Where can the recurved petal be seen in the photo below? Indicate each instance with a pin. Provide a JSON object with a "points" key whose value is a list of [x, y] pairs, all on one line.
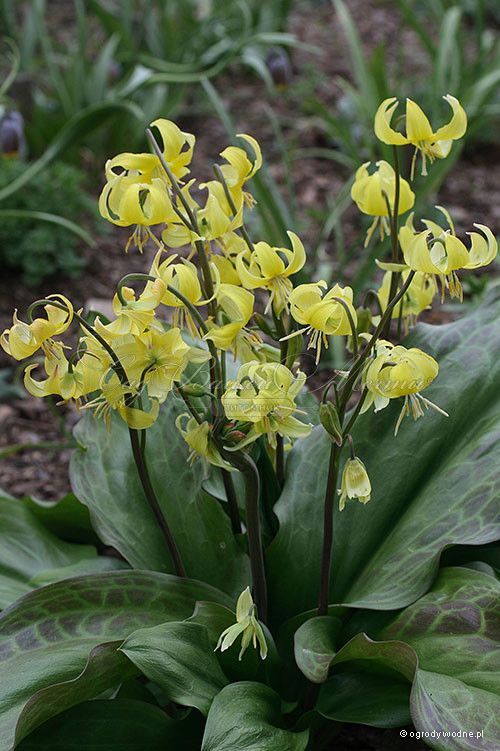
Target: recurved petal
{"points": [[457, 125], [383, 129], [483, 250]]}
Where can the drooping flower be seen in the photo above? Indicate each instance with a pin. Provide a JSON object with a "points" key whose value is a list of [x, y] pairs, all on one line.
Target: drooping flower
{"points": [[133, 314], [236, 305], [197, 437], [396, 371], [263, 395], [177, 148], [372, 193], [24, 339], [247, 625], [439, 251], [418, 296], [355, 483], [271, 268], [431, 144], [322, 314]]}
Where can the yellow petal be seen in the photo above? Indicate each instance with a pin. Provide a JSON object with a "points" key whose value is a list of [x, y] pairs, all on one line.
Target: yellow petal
{"points": [[418, 127], [457, 125], [383, 129]]}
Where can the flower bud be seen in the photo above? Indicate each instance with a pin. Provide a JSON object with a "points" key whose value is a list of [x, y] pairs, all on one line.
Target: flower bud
{"points": [[330, 421], [355, 482]]}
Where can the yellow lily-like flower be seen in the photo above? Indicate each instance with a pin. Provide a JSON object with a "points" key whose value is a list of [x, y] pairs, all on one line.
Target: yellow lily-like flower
{"points": [[135, 314], [418, 296], [439, 252], [247, 625], [70, 381], [264, 395], [157, 359], [184, 278], [128, 164], [237, 305], [431, 144], [24, 339], [197, 437], [239, 169], [117, 397], [267, 269], [355, 483], [213, 223], [127, 201], [177, 146], [321, 314], [226, 270], [370, 191], [395, 372]]}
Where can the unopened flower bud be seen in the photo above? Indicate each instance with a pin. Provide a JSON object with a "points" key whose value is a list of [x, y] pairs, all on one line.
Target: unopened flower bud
{"points": [[330, 421], [355, 482]]}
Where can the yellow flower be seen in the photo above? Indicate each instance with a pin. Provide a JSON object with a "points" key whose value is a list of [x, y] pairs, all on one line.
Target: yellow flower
{"points": [[237, 306], [183, 277], [135, 314], [239, 169], [213, 223], [418, 296], [395, 372], [439, 252], [24, 339], [127, 200], [247, 625], [322, 315], [431, 144], [264, 395], [156, 359], [369, 192], [355, 483], [123, 399], [197, 437], [177, 146], [267, 269]]}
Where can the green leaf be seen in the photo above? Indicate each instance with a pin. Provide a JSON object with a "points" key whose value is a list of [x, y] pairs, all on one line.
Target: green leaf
{"points": [[315, 647], [118, 725], [42, 216], [433, 486], [46, 638], [29, 553], [455, 631], [104, 477], [67, 518], [446, 645], [179, 658], [247, 717]]}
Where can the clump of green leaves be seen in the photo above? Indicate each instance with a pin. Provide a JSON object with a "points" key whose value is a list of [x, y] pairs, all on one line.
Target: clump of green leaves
{"points": [[37, 248]]}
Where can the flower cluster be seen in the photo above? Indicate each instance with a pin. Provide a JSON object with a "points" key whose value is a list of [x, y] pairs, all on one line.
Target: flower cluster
{"points": [[211, 290]]}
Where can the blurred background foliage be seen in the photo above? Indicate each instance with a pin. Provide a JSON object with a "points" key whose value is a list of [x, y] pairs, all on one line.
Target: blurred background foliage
{"points": [[88, 76]]}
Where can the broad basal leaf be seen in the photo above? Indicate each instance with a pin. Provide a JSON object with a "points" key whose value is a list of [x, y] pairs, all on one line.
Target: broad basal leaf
{"points": [[104, 477], [247, 717], [434, 485], [46, 638], [30, 555], [446, 646], [179, 658], [118, 725]]}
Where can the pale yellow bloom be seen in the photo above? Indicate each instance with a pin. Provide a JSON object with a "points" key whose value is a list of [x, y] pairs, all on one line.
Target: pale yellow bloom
{"points": [[24, 339], [396, 371], [247, 625], [355, 483], [320, 313], [370, 191], [264, 395], [271, 268], [418, 296], [197, 437], [431, 144]]}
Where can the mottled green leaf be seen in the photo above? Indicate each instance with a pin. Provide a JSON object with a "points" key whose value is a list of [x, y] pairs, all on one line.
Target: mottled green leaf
{"points": [[46, 638], [118, 725], [446, 646], [104, 477], [315, 647], [179, 658], [435, 485], [30, 554], [247, 717]]}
